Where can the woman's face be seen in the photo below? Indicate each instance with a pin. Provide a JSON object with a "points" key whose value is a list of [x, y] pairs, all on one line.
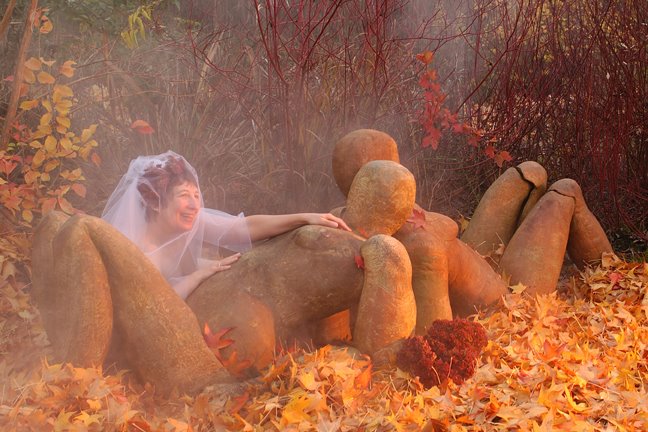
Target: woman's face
{"points": [[181, 209]]}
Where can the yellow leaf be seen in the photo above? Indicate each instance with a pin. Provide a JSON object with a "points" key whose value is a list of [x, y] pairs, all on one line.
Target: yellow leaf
{"points": [[63, 105], [50, 144], [45, 78], [46, 25], [51, 164], [580, 407], [178, 426], [63, 121], [93, 404], [42, 131], [27, 215], [28, 104], [87, 133], [38, 159], [47, 62], [293, 412], [68, 68], [46, 119], [31, 176], [29, 76], [66, 144], [307, 380], [88, 419], [33, 64], [61, 91], [45, 177], [518, 289], [35, 144], [63, 421], [84, 152], [47, 105]]}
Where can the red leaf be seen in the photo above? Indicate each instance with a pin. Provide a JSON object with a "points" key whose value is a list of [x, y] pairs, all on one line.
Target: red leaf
{"points": [[417, 218], [490, 151], [501, 157], [9, 78], [7, 166], [615, 277], [140, 425], [359, 261], [506, 156], [215, 341], [238, 403], [432, 139], [142, 127], [96, 159], [425, 57], [235, 366], [79, 189]]}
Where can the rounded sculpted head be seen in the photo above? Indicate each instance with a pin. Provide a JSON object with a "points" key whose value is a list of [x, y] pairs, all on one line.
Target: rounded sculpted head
{"points": [[170, 193]]}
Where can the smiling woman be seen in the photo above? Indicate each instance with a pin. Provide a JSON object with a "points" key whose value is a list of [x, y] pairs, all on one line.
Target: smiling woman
{"points": [[158, 206]]}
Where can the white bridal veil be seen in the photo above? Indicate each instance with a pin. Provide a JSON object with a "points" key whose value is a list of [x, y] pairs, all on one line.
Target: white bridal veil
{"points": [[213, 231]]}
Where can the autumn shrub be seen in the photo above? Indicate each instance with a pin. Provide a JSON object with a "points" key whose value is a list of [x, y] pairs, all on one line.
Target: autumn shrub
{"points": [[564, 83], [449, 350], [41, 162]]}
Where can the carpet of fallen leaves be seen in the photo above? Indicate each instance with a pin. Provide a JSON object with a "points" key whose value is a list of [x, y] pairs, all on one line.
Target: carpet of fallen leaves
{"points": [[575, 360]]}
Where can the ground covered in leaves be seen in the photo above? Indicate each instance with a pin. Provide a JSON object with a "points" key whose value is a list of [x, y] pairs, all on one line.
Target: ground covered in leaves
{"points": [[576, 360]]}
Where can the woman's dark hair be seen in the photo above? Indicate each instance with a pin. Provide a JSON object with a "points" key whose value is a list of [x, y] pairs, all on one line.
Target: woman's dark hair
{"points": [[158, 180]]}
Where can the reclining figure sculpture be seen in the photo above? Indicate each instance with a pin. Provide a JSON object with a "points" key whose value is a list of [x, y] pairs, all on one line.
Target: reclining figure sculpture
{"points": [[100, 298]]}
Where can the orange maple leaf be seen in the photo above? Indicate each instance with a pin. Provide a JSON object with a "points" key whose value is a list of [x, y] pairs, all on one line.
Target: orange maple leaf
{"points": [[142, 127], [363, 379]]}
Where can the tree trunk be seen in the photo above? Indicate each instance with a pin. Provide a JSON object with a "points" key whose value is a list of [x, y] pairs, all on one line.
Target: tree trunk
{"points": [[18, 75]]}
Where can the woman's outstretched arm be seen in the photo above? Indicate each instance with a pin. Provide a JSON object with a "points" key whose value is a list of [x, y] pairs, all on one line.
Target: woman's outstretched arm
{"points": [[262, 227]]}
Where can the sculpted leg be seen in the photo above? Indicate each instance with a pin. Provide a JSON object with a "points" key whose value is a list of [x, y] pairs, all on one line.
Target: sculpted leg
{"points": [[387, 309], [504, 205], [72, 291], [110, 286], [44, 292], [560, 221], [587, 240], [535, 254], [427, 247], [473, 284]]}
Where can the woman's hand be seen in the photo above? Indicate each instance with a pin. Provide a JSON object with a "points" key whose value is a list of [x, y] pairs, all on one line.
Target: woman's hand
{"points": [[206, 268], [212, 267], [326, 219], [262, 227]]}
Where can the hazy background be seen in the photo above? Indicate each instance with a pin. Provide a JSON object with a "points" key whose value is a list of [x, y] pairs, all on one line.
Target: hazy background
{"points": [[255, 93]]}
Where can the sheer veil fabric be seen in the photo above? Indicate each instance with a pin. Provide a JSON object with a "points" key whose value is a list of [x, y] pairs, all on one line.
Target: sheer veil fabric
{"points": [[212, 234]]}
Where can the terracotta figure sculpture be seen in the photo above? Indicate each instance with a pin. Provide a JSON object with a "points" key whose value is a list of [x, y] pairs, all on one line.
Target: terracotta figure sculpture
{"points": [[97, 292]]}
